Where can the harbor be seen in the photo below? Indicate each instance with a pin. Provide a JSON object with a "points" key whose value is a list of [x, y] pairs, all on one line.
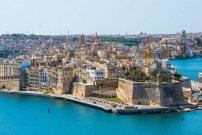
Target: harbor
{"points": [[111, 107]]}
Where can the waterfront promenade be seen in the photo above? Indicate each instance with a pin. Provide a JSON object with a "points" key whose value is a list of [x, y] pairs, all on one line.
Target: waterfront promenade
{"points": [[137, 109]]}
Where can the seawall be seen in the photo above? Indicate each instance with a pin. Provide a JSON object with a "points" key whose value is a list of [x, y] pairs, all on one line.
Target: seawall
{"points": [[139, 109]]}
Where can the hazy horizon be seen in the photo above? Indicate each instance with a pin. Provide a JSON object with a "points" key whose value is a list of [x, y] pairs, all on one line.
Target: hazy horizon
{"points": [[50, 17]]}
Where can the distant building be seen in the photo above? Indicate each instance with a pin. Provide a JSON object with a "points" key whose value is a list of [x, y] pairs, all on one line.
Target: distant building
{"points": [[9, 75], [9, 70], [184, 36], [165, 65]]}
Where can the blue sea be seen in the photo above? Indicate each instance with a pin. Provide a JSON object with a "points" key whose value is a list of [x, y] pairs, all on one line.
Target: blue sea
{"points": [[27, 115], [188, 67]]}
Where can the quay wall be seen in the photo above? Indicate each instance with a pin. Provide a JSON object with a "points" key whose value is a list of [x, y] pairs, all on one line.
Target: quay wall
{"points": [[103, 107]]}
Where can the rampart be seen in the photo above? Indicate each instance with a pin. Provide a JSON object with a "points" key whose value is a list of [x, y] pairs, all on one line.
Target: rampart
{"points": [[163, 94]]}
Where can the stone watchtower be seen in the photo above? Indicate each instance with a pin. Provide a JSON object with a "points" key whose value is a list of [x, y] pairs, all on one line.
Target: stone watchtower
{"points": [[159, 81]]}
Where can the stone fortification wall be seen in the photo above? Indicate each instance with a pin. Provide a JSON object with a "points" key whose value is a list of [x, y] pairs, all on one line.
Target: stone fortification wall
{"points": [[186, 82], [10, 84], [145, 93], [125, 90], [107, 82], [138, 92], [83, 90], [106, 88], [150, 93], [172, 94]]}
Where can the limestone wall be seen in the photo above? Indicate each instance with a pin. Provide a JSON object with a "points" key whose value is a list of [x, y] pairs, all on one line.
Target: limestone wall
{"points": [[150, 93], [83, 90], [107, 82], [144, 93], [186, 82], [172, 94], [10, 84], [138, 92], [187, 92], [125, 91], [106, 88]]}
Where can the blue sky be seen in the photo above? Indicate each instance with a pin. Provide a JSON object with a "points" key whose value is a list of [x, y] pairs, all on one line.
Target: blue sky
{"points": [[55, 17]]}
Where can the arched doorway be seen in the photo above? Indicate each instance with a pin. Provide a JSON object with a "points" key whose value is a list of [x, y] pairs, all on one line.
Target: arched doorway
{"points": [[3, 87]]}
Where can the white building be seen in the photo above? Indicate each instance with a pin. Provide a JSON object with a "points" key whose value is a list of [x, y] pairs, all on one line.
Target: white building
{"points": [[166, 65], [44, 78], [95, 74]]}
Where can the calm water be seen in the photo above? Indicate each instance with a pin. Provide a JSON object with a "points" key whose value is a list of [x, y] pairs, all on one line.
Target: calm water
{"points": [[26, 115], [189, 67]]}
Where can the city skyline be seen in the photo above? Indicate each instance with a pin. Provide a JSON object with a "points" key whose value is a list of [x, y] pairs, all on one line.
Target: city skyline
{"points": [[104, 17]]}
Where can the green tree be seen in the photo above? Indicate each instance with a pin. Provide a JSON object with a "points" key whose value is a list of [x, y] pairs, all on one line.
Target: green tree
{"points": [[140, 76], [126, 73], [177, 75], [164, 74], [84, 81]]}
